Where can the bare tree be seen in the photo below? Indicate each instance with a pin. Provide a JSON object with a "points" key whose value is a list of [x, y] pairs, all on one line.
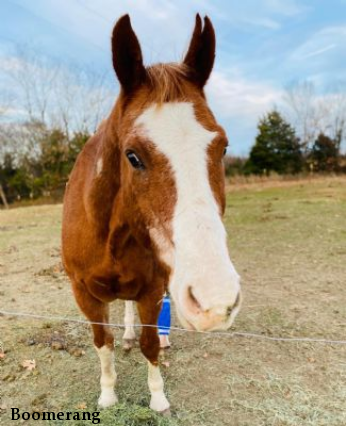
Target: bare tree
{"points": [[82, 98], [312, 113], [51, 96], [33, 77], [335, 108], [52, 102]]}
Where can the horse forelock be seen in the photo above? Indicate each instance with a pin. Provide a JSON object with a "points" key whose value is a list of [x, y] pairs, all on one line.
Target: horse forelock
{"points": [[168, 82]]}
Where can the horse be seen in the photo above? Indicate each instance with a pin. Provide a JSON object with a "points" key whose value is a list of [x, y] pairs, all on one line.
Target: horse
{"points": [[144, 203]]}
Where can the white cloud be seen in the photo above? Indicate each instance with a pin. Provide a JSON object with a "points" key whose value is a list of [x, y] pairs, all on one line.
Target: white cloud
{"points": [[262, 22], [251, 13], [10, 64], [235, 96], [284, 7], [238, 103], [320, 51], [329, 38], [320, 58], [11, 113]]}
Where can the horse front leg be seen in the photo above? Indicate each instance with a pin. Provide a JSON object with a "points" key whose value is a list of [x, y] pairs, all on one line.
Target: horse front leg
{"points": [[149, 309], [108, 376], [97, 311]]}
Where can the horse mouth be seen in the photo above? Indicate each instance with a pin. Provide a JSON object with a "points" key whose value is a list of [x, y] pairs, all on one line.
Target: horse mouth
{"points": [[184, 322], [219, 325]]}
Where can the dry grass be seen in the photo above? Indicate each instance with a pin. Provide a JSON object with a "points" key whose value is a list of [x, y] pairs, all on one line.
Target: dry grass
{"points": [[289, 244]]}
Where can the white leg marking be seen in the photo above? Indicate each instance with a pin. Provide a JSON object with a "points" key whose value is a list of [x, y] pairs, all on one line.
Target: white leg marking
{"points": [[129, 320], [108, 377], [158, 400]]}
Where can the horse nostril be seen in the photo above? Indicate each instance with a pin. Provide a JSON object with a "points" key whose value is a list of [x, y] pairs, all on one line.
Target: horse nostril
{"points": [[230, 309], [194, 304]]}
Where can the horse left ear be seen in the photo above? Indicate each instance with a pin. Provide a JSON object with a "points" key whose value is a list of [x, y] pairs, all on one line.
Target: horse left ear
{"points": [[201, 53], [127, 55]]}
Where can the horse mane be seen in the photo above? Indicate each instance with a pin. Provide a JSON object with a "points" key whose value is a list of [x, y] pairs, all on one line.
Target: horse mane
{"points": [[169, 82]]}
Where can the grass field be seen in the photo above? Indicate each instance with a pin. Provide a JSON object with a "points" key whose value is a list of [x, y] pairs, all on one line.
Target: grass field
{"points": [[287, 241]]}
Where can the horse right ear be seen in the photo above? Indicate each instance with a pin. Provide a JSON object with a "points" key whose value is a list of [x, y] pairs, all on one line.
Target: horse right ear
{"points": [[127, 55], [201, 53]]}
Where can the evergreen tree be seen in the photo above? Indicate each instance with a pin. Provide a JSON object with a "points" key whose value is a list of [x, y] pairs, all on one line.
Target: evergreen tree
{"points": [[276, 147], [325, 154]]}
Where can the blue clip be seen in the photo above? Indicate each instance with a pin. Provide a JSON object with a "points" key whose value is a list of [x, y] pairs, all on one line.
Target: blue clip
{"points": [[164, 322]]}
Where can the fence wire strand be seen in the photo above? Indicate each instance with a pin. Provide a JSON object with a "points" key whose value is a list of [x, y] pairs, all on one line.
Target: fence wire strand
{"points": [[247, 335]]}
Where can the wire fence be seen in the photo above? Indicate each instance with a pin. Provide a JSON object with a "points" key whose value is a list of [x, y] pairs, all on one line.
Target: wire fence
{"points": [[241, 334]]}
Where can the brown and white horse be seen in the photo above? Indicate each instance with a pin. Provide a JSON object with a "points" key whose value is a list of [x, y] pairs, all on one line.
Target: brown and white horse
{"points": [[143, 206]]}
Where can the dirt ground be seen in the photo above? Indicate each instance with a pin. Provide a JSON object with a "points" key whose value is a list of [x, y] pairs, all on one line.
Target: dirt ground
{"points": [[288, 242]]}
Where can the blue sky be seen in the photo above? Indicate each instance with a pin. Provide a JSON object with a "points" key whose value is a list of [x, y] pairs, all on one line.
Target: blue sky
{"points": [[262, 45]]}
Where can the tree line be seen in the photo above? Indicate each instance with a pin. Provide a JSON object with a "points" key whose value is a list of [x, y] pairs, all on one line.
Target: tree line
{"points": [[46, 172], [45, 119], [278, 149], [305, 136]]}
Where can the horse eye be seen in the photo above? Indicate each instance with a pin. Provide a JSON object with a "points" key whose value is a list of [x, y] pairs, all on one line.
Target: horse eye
{"points": [[134, 160], [225, 151]]}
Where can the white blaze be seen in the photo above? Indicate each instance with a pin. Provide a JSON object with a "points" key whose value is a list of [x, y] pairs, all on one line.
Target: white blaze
{"points": [[201, 257]]}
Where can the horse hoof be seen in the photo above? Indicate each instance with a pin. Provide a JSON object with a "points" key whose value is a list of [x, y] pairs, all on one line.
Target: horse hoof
{"points": [[107, 400], [128, 344], [166, 412], [164, 342]]}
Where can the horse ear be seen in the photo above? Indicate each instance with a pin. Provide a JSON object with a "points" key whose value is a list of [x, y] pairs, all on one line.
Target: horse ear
{"points": [[201, 53], [127, 55]]}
